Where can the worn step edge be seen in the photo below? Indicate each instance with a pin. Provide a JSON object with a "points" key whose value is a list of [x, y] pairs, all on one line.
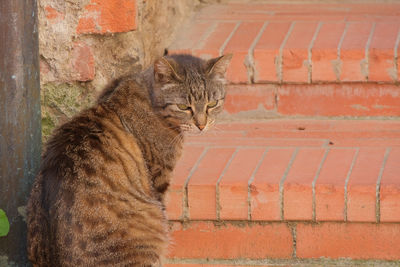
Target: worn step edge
{"points": [[277, 262]]}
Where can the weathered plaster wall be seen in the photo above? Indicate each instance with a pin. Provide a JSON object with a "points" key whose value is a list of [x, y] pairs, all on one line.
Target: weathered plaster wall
{"points": [[86, 43]]}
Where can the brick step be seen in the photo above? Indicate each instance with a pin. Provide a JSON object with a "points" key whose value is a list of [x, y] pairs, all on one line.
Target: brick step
{"points": [[204, 240], [280, 262], [324, 170], [326, 100], [312, 188], [308, 59], [298, 42], [207, 265], [273, 262]]}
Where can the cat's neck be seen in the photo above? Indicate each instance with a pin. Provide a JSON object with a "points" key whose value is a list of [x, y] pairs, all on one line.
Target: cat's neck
{"points": [[132, 101]]}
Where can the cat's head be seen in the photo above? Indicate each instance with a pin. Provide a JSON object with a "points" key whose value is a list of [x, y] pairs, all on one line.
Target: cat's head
{"points": [[188, 91]]}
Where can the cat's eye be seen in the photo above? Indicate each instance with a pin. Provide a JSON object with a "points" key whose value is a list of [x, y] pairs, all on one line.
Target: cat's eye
{"points": [[183, 106], [212, 104]]}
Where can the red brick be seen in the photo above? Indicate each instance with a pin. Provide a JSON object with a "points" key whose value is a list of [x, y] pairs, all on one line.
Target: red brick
{"points": [[180, 51], [257, 142], [238, 12], [366, 125], [344, 131], [266, 52], [360, 137], [374, 8], [227, 265], [324, 52], [219, 265], [174, 205], [233, 186], [215, 131], [297, 192], [249, 97], [82, 62], [183, 265], [330, 184], [353, 64], [290, 125], [239, 45], [201, 240], [108, 16], [265, 200], [53, 14], [190, 156], [398, 60], [203, 183], [339, 100], [295, 65], [278, 17], [348, 240], [190, 37], [312, 9], [369, 142], [311, 18], [352, 52], [44, 66], [210, 265], [381, 59], [361, 188], [281, 12], [212, 45], [390, 188], [371, 18]]}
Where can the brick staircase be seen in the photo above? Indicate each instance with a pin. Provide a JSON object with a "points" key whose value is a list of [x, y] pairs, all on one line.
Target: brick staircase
{"points": [[304, 168]]}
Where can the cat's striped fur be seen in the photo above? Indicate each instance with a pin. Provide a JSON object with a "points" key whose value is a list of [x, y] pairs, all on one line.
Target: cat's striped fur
{"points": [[99, 197]]}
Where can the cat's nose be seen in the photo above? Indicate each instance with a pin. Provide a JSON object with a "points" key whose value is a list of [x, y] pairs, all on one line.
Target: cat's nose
{"points": [[200, 120]]}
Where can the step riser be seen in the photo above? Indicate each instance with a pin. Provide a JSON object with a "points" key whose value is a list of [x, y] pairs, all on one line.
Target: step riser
{"points": [[325, 100], [296, 240]]}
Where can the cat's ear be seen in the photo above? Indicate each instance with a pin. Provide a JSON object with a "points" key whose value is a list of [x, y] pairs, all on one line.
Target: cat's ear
{"points": [[165, 70], [216, 67]]}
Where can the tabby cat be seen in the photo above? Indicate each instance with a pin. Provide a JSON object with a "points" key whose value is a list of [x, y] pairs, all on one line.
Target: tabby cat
{"points": [[98, 199]]}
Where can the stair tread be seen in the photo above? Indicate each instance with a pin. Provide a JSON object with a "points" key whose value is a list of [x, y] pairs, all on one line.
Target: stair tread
{"points": [[290, 170], [298, 42]]}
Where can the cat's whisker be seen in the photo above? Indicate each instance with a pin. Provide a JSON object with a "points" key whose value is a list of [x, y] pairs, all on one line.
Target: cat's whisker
{"points": [[215, 129]]}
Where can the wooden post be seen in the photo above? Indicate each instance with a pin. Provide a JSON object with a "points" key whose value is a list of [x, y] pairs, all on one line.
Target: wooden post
{"points": [[20, 128]]}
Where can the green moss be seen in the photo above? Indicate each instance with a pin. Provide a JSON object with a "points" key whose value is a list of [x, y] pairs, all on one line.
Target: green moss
{"points": [[47, 125], [67, 99], [61, 101]]}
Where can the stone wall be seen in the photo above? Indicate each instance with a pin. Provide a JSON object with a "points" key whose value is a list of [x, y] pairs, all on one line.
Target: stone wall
{"points": [[84, 44]]}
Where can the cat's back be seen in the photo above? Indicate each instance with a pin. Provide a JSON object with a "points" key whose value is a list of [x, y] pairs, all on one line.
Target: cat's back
{"points": [[93, 140], [92, 183]]}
